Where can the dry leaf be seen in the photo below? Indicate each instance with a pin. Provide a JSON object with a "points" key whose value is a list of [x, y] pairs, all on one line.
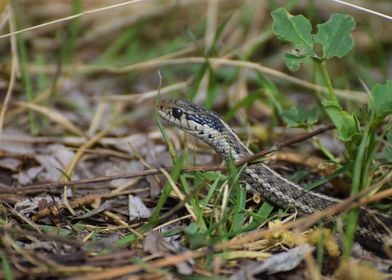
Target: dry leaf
{"points": [[156, 244], [137, 209]]}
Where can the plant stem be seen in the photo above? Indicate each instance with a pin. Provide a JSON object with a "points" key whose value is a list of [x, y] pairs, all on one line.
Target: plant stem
{"points": [[324, 71]]}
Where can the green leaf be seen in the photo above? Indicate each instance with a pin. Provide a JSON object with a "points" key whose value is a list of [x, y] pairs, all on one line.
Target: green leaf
{"points": [[293, 61], [334, 35], [191, 229], [300, 117], [294, 29], [347, 125], [381, 101]]}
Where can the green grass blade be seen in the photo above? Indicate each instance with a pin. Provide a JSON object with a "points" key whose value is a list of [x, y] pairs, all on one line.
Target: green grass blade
{"points": [[73, 30], [327, 178], [244, 103], [320, 247], [7, 271], [166, 190], [24, 65], [194, 202], [239, 214], [212, 190], [114, 49], [199, 77]]}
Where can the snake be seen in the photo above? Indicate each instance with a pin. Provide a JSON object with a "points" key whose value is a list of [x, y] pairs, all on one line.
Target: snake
{"points": [[373, 227]]}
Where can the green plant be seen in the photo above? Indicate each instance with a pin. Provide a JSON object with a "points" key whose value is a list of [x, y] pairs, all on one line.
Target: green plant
{"points": [[361, 141]]}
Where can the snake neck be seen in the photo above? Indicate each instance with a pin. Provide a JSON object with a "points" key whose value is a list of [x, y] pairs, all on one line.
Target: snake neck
{"points": [[225, 143]]}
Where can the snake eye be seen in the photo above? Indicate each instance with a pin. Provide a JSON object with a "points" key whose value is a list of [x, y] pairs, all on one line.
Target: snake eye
{"points": [[177, 113]]}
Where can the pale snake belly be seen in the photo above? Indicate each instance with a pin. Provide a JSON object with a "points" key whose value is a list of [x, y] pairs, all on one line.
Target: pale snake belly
{"points": [[373, 226]]}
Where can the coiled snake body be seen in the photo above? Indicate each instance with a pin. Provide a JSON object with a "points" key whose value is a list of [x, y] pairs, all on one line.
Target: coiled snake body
{"points": [[372, 228]]}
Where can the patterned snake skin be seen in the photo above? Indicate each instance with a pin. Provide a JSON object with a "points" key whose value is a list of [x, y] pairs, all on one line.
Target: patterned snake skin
{"points": [[372, 228]]}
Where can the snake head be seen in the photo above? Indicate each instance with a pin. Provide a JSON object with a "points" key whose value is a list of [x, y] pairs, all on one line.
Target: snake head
{"points": [[190, 117], [203, 124]]}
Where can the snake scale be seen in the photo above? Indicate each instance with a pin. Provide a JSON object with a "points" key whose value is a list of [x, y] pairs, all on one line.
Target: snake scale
{"points": [[373, 227]]}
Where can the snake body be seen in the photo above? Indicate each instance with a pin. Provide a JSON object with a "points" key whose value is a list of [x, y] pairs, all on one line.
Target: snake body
{"points": [[373, 227]]}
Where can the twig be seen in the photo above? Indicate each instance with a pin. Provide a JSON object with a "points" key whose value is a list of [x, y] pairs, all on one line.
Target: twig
{"points": [[286, 143]]}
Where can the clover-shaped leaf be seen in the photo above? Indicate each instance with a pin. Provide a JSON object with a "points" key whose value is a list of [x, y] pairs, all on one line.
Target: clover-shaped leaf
{"points": [[381, 101], [300, 117], [296, 30], [335, 35]]}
